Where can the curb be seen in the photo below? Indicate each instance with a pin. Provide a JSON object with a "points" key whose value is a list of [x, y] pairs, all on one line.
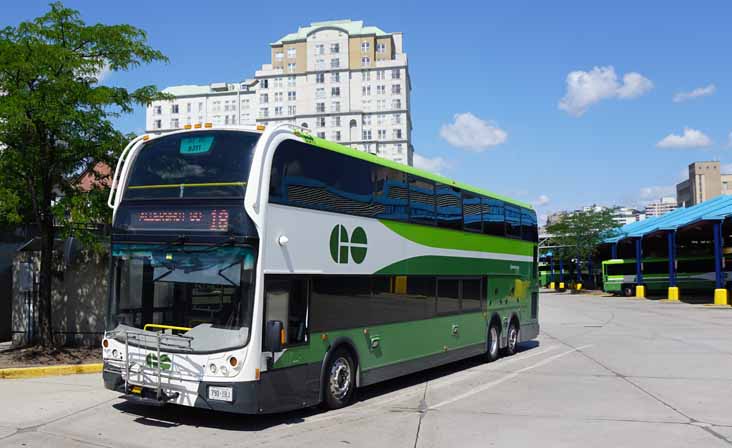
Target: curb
{"points": [[36, 372]]}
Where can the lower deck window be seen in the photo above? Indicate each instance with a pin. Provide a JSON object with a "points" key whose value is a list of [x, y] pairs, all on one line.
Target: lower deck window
{"points": [[351, 301]]}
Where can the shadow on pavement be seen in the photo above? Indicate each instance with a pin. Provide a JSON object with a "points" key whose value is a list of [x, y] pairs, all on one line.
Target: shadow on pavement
{"points": [[172, 416]]}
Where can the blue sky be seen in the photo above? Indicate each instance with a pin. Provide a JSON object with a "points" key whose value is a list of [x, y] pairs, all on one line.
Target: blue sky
{"points": [[620, 139]]}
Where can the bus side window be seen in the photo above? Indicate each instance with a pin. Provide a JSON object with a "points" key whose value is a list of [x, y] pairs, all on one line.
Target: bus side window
{"points": [[286, 301]]}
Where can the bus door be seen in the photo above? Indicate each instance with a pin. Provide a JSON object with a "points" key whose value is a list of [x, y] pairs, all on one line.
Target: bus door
{"points": [[292, 376]]}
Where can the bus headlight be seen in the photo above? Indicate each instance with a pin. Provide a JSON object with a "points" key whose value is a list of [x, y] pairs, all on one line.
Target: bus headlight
{"points": [[212, 368]]}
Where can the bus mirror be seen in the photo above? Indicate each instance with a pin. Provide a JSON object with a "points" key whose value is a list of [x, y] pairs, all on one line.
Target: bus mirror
{"points": [[273, 335]]}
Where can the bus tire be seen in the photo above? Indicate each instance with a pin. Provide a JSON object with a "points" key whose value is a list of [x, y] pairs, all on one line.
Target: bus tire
{"points": [[340, 380], [512, 338], [628, 291], [493, 342]]}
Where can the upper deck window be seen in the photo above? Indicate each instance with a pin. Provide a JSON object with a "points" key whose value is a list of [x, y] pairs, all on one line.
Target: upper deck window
{"points": [[192, 165]]}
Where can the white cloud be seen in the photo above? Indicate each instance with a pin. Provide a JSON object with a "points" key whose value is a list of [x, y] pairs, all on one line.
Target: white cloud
{"points": [[542, 200], [435, 165], [471, 133], [634, 85], [696, 93], [691, 138], [587, 88]]}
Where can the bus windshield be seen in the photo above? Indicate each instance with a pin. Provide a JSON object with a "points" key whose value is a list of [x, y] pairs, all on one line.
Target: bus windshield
{"points": [[207, 289], [192, 165]]}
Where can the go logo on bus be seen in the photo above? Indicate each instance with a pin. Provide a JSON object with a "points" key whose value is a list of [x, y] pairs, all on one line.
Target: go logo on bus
{"points": [[341, 244], [152, 361]]}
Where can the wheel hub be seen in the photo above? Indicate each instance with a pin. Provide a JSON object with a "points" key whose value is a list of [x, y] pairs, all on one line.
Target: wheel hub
{"points": [[340, 378]]}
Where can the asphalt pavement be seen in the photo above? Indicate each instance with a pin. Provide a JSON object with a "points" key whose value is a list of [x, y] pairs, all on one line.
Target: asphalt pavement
{"points": [[605, 372]]}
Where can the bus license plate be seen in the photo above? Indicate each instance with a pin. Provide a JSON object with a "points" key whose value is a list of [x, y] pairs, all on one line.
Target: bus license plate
{"points": [[220, 393]]}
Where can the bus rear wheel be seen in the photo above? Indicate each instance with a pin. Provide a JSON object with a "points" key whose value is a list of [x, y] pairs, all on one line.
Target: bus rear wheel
{"points": [[628, 291], [494, 336], [512, 338], [340, 380]]}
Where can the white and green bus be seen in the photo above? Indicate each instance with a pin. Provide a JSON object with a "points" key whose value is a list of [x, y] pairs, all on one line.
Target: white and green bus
{"points": [[257, 271]]}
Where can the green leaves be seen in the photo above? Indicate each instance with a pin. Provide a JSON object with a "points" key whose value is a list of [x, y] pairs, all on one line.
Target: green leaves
{"points": [[55, 116], [578, 234]]}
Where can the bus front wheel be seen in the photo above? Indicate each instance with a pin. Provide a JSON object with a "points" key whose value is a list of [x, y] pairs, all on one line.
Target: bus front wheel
{"points": [[340, 380]]}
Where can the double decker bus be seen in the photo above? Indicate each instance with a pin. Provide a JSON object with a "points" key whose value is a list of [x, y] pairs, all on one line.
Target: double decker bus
{"points": [[258, 271], [693, 273]]}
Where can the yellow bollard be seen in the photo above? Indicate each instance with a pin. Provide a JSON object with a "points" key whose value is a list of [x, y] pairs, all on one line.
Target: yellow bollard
{"points": [[578, 287], [561, 285], [551, 285], [673, 293], [720, 297], [640, 292]]}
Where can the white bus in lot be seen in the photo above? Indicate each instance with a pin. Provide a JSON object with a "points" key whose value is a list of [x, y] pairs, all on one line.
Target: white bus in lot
{"points": [[259, 271]]}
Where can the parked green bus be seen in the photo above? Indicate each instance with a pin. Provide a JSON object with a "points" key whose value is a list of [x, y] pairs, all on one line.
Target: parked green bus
{"points": [[259, 271], [692, 273]]}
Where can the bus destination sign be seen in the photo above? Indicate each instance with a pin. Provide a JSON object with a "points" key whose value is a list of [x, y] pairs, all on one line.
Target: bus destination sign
{"points": [[213, 220]]}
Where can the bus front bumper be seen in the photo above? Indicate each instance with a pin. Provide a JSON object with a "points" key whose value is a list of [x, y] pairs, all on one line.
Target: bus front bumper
{"points": [[244, 398], [274, 392]]}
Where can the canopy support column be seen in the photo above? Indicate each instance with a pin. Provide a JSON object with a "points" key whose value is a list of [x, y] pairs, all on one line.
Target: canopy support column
{"points": [[720, 293], [640, 290], [551, 270], [561, 273], [673, 290], [671, 238]]}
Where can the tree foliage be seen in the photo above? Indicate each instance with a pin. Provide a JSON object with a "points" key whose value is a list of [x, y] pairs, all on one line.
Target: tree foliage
{"points": [[55, 122], [577, 234]]}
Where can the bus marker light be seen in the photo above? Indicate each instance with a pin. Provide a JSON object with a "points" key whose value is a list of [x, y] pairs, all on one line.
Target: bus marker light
{"points": [[365, 331], [146, 138], [105, 343], [188, 126], [283, 339], [257, 374], [136, 390], [208, 125], [260, 127], [324, 337], [197, 125], [233, 361]]}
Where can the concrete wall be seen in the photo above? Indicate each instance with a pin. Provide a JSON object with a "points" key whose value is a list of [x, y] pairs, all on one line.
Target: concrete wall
{"points": [[79, 299]]}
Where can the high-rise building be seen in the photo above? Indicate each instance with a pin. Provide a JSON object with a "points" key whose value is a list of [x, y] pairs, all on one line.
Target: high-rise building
{"points": [[705, 182], [661, 207], [344, 81]]}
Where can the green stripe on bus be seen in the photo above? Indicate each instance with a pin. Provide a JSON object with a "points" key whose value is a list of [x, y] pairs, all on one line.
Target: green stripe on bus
{"points": [[438, 265], [450, 239]]}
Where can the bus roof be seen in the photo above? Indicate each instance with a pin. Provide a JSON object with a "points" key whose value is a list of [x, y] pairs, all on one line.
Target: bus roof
{"points": [[327, 144]]}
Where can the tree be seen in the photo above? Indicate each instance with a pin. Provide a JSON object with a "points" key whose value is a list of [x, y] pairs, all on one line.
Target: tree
{"points": [[55, 122], [578, 234]]}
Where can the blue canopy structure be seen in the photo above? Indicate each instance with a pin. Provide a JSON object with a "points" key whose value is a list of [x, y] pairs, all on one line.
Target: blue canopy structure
{"points": [[716, 209]]}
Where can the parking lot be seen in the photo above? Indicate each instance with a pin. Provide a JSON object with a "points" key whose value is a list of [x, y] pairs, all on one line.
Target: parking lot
{"points": [[605, 372]]}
